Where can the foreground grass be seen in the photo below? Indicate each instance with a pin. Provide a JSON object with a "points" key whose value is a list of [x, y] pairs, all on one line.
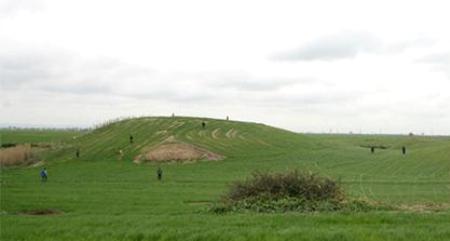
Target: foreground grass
{"points": [[362, 226], [121, 201], [103, 198]]}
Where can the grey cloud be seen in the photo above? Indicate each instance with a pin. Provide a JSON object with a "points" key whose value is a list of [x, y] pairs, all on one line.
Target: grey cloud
{"points": [[23, 69], [11, 7], [438, 61], [347, 45], [81, 89], [405, 45], [439, 58], [330, 98], [339, 46], [48, 72], [63, 73], [246, 82], [173, 96]]}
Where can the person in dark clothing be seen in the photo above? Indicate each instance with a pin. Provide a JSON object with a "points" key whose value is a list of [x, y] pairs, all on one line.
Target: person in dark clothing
{"points": [[77, 153], [131, 139], [372, 149], [403, 150], [159, 173], [203, 125], [44, 175]]}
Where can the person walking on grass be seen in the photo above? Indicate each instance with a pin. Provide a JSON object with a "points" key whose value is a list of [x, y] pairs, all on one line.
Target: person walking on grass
{"points": [[159, 173], [44, 175]]}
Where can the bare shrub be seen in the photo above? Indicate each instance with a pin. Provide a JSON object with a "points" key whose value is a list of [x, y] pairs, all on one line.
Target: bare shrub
{"points": [[296, 184], [292, 191], [17, 155]]}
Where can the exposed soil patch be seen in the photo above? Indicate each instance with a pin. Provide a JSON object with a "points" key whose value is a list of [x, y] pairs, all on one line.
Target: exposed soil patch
{"points": [[42, 212], [172, 150]]}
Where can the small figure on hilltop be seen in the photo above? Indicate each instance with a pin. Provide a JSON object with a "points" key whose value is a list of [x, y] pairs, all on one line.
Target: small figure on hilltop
{"points": [[403, 150], [44, 175], [131, 139], [228, 118], [159, 173], [77, 153], [173, 115], [203, 125], [372, 149]]}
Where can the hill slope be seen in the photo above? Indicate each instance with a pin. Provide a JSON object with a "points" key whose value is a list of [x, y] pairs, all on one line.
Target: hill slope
{"points": [[227, 138]]}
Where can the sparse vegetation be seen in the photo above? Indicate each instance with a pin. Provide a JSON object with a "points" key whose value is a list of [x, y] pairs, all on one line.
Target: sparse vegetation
{"points": [[18, 155]]}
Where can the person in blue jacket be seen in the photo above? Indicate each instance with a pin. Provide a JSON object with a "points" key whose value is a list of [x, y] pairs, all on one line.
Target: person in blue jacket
{"points": [[44, 175]]}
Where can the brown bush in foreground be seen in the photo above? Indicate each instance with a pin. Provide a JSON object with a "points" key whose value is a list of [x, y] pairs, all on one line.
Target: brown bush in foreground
{"points": [[17, 155]]}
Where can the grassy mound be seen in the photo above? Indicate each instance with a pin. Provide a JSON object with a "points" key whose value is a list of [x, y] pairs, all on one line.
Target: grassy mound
{"points": [[292, 191], [222, 137]]}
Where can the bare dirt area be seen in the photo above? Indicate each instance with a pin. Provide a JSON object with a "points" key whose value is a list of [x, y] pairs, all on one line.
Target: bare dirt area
{"points": [[172, 150]]}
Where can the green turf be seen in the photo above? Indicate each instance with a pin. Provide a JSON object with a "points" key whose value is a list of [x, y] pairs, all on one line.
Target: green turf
{"points": [[104, 198], [30, 136]]}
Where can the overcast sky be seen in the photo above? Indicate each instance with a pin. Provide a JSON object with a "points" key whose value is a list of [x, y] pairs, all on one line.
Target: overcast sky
{"points": [[308, 66]]}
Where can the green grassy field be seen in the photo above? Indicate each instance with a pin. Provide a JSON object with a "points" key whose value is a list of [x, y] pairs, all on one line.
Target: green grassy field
{"points": [[31, 136], [104, 197]]}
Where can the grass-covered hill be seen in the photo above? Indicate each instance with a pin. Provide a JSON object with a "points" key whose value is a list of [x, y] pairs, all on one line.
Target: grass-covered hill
{"points": [[259, 146], [227, 138]]}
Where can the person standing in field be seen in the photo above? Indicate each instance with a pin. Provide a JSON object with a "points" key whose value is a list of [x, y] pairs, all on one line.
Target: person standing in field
{"points": [[131, 139], [77, 154], [372, 149], [120, 154], [203, 125], [159, 173], [403, 150], [44, 175]]}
